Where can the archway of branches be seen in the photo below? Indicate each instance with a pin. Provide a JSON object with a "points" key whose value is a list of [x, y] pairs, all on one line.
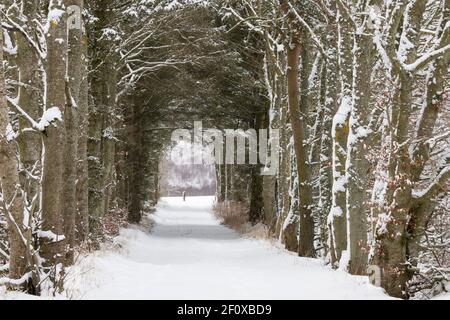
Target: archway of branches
{"points": [[208, 77]]}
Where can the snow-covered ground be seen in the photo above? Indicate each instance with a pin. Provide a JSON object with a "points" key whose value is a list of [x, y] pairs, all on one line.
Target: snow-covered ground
{"points": [[189, 255]]}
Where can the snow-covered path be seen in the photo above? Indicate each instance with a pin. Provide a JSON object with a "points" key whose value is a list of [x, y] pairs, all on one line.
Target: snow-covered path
{"points": [[189, 255]]}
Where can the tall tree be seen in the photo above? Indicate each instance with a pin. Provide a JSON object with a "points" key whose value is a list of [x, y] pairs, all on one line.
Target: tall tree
{"points": [[71, 122], [52, 232], [298, 119], [30, 98], [11, 197]]}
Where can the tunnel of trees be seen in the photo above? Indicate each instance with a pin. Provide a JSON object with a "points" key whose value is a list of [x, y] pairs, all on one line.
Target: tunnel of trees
{"points": [[358, 89]]}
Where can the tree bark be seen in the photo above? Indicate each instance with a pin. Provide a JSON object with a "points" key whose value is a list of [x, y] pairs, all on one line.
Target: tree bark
{"points": [[390, 234], [30, 99], [422, 210], [51, 240], [333, 136], [256, 185], [306, 242], [13, 202], [101, 143], [358, 166], [71, 121], [82, 187]]}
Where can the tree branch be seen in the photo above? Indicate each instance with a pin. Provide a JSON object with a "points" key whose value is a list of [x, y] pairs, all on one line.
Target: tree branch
{"points": [[425, 59], [311, 32], [434, 188]]}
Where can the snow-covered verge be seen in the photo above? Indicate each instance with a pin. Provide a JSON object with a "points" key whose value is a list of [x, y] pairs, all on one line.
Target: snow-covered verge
{"points": [[189, 255]]}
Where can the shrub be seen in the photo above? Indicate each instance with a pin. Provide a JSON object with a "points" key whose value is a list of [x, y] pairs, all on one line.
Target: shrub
{"points": [[232, 214]]}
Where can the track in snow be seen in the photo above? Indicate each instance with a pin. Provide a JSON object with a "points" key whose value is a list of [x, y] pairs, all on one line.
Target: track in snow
{"points": [[189, 255]]}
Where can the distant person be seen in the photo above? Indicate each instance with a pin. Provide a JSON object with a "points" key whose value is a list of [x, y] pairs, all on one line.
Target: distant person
{"points": [[184, 195]]}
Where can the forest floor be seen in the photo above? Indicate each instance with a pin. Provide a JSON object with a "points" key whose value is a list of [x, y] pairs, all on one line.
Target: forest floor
{"points": [[187, 254]]}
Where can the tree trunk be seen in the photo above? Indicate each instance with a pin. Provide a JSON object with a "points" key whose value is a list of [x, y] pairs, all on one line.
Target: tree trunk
{"points": [[284, 174], [306, 242], [71, 120], [256, 185], [30, 99], [19, 234], [327, 153], [101, 143], [358, 166], [390, 234], [132, 164], [221, 181], [290, 234], [82, 192], [52, 181]]}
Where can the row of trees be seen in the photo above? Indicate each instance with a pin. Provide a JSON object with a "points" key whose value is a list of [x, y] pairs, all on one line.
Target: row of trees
{"points": [[46, 74], [68, 140], [91, 93], [360, 90]]}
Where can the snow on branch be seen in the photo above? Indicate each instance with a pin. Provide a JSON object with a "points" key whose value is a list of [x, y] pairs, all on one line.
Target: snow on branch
{"points": [[49, 117], [22, 112], [391, 60], [382, 51], [8, 44], [345, 11], [245, 21], [10, 133], [50, 235], [436, 185], [4, 254], [431, 142], [421, 62], [311, 32], [11, 220], [35, 46], [425, 59], [53, 18], [15, 282], [138, 46], [324, 7]]}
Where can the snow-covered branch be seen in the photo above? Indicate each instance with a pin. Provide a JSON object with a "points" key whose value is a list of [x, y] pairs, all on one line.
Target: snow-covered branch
{"points": [[49, 117], [22, 112], [244, 21], [425, 59], [34, 44], [15, 282], [311, 32], [435, 186]]}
